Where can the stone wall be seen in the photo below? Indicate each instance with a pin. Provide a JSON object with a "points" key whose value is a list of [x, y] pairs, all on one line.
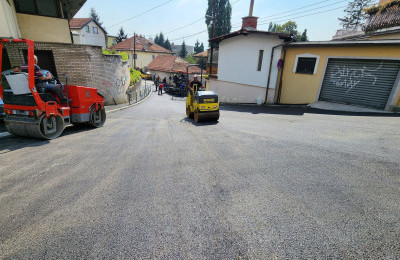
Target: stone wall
{"points": [[85, 66]]}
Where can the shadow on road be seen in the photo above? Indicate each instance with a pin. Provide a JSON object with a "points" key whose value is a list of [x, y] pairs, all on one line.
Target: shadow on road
{"points": [[12, 143], [310, 110], [297, 110], [254, 109], [191, 121]]}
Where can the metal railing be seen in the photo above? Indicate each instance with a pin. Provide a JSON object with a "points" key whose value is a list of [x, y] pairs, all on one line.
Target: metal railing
{"points": [[138, 94]]}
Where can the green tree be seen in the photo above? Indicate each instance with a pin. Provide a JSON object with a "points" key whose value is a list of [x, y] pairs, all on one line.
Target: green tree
{"points": [[223, 14], [197, 47], [95, 16], [183, 53], [121, 35], [203, 62], [161, 39], [304, 36], [167, 45], [355, 14], [290, 27], [201, 49], [157, 39], [190, 58]]}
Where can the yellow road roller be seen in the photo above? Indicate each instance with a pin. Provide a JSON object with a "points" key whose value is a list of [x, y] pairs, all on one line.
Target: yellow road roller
{"points": [[201, 103]]}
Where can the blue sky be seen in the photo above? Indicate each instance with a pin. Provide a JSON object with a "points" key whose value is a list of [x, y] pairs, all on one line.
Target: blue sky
{"points": [[175, 14]]}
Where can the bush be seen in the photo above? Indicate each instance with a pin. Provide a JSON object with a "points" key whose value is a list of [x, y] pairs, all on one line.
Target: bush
{"points": [[135, 76], [123, 54]]}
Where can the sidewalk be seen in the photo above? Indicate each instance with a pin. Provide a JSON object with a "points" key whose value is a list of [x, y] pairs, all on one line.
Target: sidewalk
{"points": [[113, 108]]}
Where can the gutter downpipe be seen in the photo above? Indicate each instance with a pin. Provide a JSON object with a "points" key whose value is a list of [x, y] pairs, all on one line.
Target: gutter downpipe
{"points": [[278, 98], [270, 69]]}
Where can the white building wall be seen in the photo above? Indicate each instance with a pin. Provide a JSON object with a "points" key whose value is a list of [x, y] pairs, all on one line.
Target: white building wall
{"points": [[238, 59], [89, 38], [8, 20]]}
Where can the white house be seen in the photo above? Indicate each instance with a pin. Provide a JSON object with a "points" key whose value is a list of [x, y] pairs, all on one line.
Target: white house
{"points": [[245, 70], [87, 31]]}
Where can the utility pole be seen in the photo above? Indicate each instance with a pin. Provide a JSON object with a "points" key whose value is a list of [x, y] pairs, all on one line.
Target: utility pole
{"points": [[134, 51], [212, 35]]}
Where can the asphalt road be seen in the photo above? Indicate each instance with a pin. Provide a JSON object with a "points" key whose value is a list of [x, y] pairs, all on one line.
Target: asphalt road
{"points": [[261, 183]]}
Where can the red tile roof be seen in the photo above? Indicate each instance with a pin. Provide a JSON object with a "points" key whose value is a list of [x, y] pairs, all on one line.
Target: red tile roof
{"points": [[78, 23], [170, 64], [201, 54], [128, 44]]}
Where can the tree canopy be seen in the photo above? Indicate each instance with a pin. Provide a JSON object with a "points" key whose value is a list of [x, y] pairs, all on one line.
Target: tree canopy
{"points": [[355, 14], [183, 52], [289, 27], [159, 39], [95, 16], [223, 14], [121, 35], [198, 47]]}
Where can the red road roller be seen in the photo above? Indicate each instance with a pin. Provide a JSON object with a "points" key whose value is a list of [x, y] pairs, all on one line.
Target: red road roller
{"points": [[33, 112]]}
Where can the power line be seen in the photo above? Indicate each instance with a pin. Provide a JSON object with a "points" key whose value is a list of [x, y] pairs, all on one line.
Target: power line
{"points": [[136, 16], [198, 20], [292, 18], [266, 22], [310, 9]]}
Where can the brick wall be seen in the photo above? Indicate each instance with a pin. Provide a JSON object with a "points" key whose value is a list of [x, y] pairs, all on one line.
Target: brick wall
{"points": [[85, 66]]}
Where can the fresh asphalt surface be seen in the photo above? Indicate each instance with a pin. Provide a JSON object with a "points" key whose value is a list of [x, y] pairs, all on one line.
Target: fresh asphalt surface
{"points": [[261, 183]]}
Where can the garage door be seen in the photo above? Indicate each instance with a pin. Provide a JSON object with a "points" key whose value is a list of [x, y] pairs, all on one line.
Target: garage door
{"points": [[359, 82]]}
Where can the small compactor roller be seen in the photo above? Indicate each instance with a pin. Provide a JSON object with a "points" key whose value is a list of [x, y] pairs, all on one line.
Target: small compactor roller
{"points": [[202, 105], [30, 113]]}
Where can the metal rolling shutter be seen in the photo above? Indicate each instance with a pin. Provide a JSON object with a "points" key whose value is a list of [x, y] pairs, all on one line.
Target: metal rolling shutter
{"points": [[360, 82]]}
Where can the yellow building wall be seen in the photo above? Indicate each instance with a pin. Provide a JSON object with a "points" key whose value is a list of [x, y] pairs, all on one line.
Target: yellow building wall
{"points": [[44, 29], [303, 89], [110, 40], [144, 58]]}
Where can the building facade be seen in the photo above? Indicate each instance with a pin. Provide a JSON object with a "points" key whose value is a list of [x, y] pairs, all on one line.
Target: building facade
{"points": [[145, 51], [360, 73], [38, 20], [247, 64], [87, 31]]}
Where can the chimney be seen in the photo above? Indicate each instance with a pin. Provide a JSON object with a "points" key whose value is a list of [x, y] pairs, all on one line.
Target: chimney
{"points": [[250, 22]]}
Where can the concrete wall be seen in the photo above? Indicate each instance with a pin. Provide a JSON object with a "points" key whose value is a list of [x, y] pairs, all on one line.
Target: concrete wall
{"points": [[44, 29], [230, 92], [304, 89], [86, 66], [8, 20], [90, 38], [238, 59]]}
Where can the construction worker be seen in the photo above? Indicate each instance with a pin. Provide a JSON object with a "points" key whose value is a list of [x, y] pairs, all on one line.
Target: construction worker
{"points": [[195, 84], [40, 81]]}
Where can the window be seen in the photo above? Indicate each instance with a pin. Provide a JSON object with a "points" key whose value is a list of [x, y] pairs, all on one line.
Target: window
{"points": [[95, 30], [153, 56], [306, 65], [87, 28], [260, 59], [38, 7]]}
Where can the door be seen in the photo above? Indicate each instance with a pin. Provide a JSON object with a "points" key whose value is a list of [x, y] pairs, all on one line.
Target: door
{"points": [[364, 82]]}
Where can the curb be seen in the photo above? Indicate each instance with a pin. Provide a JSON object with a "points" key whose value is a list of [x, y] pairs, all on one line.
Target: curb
{"points": [[128, 106]]}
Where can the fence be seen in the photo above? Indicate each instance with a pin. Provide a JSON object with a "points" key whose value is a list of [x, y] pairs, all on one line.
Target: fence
{"points": [[138, 94]]}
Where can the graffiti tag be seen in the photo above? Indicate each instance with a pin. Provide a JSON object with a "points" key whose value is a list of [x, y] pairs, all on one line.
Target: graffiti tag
{"points": [[348, 78]]}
